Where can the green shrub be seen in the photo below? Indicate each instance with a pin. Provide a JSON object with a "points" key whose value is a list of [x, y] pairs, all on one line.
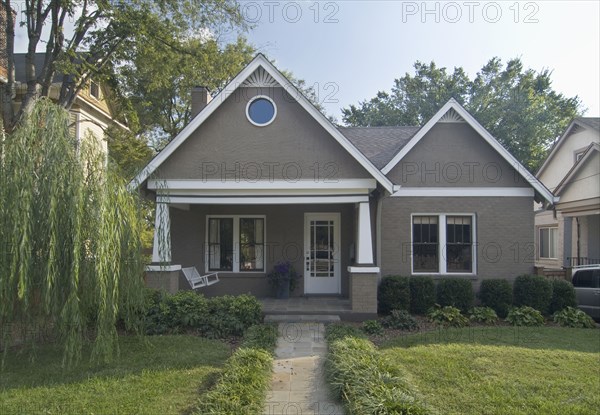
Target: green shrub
{"points": [[574, 317], [340, 331], [525, 316], [187, 309], [534, 291], [243, 385], [455, 292], [563, 295], [260, 336], [401, 320], [393, 294], [216, 317], [447, 316], [156, 318], [422, 294], [372, 327], [496, 294], [483, 315], [366, 382]]}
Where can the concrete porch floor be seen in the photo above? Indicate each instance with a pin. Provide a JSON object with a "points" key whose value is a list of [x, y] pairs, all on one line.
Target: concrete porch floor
{"points": [[306, 305]]}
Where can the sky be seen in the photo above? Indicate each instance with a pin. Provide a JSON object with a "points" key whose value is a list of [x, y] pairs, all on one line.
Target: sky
{"points": [[349, 50]]}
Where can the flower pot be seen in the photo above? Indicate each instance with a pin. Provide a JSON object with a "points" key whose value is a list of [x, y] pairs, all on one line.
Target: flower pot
{"points": [[283, 289]]}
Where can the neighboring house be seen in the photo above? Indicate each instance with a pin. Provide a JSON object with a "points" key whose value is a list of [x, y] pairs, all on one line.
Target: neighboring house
{"points": [[260, 176], [569, 235], [90, 113]]}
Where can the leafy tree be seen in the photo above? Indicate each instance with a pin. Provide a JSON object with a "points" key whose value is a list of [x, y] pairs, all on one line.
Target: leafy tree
{"points": [[517, 106], [102, 29], [159, 78], [70, 262]]}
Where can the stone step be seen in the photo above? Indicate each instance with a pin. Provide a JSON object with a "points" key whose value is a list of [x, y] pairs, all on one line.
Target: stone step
{"points": [[301, 318]]}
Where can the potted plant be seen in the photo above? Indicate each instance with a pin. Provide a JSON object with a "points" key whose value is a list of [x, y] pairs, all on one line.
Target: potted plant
{"points": [[283, 279]]}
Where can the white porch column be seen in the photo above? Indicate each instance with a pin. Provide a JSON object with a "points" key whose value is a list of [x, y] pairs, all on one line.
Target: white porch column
{"points": [[364, 244], [161, 249]]}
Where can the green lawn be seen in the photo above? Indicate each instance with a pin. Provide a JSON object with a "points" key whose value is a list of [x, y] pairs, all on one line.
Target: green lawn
{"points": [[160, 376], [503, 370]]}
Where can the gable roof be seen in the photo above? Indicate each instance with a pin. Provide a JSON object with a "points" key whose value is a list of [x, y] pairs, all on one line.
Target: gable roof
{"points": [[260, 61], [379, 144], [583, 122], [446, 112], [593, 147]]}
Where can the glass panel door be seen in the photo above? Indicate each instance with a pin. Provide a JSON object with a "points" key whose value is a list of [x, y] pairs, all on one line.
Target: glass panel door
{"points": [[322, 259]]}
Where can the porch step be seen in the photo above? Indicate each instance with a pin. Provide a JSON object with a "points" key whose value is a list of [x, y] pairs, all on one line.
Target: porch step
{"points": [[301, 318]]}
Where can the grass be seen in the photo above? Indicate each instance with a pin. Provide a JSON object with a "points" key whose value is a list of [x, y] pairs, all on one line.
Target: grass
{"points": [[503, 370], [160, 374]]}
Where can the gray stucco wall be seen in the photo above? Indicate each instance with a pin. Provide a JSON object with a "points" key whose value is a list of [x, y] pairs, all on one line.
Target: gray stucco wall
{"points": [[284, 233], [454, 155], [505, 245], [293, 147]]}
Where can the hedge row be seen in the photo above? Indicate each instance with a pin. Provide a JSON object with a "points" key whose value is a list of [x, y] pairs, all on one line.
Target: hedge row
{"points": [[365, 381], [419, 294], [215, 317]]}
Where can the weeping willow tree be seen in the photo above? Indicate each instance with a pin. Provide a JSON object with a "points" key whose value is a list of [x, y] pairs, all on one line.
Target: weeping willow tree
{"points": [[70, 259]]}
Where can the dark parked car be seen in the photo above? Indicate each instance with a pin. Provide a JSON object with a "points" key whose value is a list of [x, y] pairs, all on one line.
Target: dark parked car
{"points": [[586, 280]]}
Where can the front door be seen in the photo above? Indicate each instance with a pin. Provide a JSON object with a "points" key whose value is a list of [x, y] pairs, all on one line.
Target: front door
{"points": [[322, 253]]}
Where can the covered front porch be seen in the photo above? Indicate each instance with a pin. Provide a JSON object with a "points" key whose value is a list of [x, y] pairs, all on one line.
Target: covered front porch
{"points": [[241, 231]]}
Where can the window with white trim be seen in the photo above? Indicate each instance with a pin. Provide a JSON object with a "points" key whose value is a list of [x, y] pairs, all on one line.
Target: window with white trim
{"points": [[548, 243], [235, 243], [451, 235]]}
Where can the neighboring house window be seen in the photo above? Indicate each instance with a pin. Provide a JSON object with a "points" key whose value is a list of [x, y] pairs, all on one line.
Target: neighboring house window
{"points": [[548, 242], [235, 243], [95, 90], [452, 235]]}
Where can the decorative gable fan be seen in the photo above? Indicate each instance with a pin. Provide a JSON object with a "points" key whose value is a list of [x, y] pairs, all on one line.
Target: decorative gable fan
{"points": [[451, 117], [260, 79]]}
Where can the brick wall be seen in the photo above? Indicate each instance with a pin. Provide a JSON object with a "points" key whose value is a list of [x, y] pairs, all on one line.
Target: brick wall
{"points": [[363, 293]]}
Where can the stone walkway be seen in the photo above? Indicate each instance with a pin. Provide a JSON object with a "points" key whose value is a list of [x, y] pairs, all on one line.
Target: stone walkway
{"points": [[298, 385]]}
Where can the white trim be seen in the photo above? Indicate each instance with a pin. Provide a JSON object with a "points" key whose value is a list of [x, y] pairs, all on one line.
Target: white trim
{"points": [[264, 192], [163, 268], [260, 61], [253, 200], [162, 234], [464, 192], [236, 244], [442, 244], [364, 270], [452, 104], [364, 240], [268, 185], [256, 98]]}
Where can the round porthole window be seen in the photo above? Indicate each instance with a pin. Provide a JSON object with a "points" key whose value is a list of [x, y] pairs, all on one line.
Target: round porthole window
{"points": [[261, 111]]}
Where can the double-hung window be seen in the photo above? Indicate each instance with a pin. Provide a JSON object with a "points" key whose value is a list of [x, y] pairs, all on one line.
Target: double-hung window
{"points": [[443, 244], [235, 243], [548, 242]]}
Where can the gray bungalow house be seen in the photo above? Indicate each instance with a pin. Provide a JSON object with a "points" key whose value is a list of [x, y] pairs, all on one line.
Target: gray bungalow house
{"points": [[260, 176]]}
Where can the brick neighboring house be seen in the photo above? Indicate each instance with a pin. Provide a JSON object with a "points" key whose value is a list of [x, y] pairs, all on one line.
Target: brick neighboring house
{"points": [[260, 175], [569, 235]]}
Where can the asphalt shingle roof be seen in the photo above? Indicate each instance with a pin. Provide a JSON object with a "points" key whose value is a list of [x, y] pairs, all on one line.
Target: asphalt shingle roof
{"points": [[379, 144]]}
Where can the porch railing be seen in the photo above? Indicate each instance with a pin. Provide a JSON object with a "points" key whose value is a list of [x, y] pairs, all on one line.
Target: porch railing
{"points": [[582, 260]]}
